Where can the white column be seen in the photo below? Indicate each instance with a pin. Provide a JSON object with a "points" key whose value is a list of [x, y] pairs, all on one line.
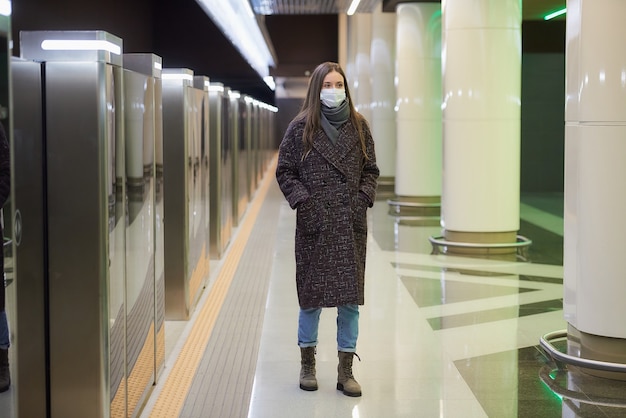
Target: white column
{"points": [[342, 42], [481, 119], [418, 91], [595, 170], [351, 41], [382, 64], [362, 79]]}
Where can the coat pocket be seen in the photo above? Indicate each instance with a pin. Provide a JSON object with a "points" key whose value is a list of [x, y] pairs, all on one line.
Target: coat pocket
{"points": [[306, 217], [360, 216]]}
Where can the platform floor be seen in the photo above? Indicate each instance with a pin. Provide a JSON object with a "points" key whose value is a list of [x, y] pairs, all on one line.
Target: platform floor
{"points": [[440, 335]]}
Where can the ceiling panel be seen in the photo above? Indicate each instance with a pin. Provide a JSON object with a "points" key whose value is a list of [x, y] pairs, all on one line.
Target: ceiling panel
{"points": [[291, 7], [531, 9], [291, 38], [537, 9]]}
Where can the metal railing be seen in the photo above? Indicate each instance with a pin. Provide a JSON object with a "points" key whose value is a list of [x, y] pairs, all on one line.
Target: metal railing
{"points": [[521, 245], [569, 395], [559, 357]]}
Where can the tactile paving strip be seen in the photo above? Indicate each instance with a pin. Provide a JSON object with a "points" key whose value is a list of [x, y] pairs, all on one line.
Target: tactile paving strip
{"points": [[179, 381]]}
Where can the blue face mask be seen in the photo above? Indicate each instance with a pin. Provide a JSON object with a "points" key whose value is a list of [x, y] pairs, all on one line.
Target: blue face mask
{"points": [[332, 97]]}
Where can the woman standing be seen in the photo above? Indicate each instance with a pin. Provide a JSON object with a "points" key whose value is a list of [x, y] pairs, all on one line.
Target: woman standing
{"points": [[327, 172]]}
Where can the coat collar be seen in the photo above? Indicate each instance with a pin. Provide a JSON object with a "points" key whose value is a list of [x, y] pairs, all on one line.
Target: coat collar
{"points": [[335, 153]]}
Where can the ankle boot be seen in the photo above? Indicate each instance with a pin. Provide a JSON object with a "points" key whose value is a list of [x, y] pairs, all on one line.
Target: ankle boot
{"points": [[5, 378], [345, 379], [307, 371]]}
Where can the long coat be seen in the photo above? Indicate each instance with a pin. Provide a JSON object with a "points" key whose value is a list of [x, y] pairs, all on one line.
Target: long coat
{"points": [[331, 190]]}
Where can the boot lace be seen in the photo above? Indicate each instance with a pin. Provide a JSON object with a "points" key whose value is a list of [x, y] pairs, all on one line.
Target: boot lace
{"points": [[308, 361], [347, 365]]}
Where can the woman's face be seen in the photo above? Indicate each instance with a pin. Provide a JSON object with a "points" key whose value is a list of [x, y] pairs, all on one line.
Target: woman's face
{"points": [[333, 80]]}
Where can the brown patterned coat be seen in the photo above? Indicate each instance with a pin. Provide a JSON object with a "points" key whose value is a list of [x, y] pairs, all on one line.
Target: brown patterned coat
{"points": [[331, 190]]}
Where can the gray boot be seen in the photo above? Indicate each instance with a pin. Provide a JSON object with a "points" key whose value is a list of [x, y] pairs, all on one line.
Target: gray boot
{"points": [[5, 378], [345, 379], [307, 371]]}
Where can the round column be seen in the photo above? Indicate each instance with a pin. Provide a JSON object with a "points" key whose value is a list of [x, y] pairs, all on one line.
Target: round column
{"points": [[383, 122], [362, 78], [595, 166], [342, 43], [350, 51], [418, 92], [481, 120]]}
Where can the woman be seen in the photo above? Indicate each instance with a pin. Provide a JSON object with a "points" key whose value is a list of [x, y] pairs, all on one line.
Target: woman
{"points": [[327, 172]]}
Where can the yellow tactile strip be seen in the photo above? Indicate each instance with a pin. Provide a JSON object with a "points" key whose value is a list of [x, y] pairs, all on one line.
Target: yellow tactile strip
{"points": [[197, 276], [176, 387], [139, 377]]}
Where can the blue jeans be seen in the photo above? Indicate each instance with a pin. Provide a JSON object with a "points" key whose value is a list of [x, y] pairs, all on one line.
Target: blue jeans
{"points": [[347, 327], [4, 331]]}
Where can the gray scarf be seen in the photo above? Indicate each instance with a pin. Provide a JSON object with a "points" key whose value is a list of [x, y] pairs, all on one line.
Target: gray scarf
{"points": [[333, 118]]}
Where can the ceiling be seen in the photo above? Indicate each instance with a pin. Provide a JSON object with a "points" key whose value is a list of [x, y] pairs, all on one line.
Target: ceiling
{"points": [[290, 24], [299, 7], [537, 9], [303, 32], [531, 9]]}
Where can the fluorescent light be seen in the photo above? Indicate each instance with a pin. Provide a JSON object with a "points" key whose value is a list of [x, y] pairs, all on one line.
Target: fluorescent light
{"points": [[353, 6], [80, 45], [555, 14], [237, 21], [158, 65], [268, 107], [5, 8], [269, 80], [234, 94], [177, 76], [213, 87]]}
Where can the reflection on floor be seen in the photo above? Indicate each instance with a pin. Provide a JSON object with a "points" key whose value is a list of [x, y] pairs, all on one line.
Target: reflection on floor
{"points": [[507, 384], [441, 335]]}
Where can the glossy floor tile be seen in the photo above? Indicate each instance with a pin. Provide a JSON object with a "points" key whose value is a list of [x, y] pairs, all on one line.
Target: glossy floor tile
{"points": [[441, 335]]}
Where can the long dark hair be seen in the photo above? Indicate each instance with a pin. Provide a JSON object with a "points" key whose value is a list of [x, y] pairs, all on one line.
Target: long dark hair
{"points": [[311, 108]]}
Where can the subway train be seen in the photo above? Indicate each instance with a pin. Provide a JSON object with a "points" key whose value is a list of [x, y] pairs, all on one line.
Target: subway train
{"points": [[129, 181]]}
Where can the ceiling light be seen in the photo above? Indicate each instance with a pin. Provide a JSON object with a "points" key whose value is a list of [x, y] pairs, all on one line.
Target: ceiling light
{"points": [[555, 14], [176, 76], [269, 80], [80, 45], [5, 7], [353, 6], [216, 87], [237, 21]]}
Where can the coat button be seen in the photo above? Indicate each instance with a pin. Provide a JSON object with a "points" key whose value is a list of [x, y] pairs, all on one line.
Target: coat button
{"points": [[327, 204], [343, 179]]}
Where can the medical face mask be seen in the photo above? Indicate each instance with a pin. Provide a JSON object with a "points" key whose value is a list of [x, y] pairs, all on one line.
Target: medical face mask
{"points": [[332, 97]]}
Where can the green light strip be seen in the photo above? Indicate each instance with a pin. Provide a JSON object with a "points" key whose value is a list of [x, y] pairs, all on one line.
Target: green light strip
{"points": [[555, 14]]}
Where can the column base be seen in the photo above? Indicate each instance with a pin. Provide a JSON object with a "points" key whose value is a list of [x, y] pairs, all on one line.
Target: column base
{"points": [[386, 188], [598, 356], [501, 245], [595, 347], [415, 206]]}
